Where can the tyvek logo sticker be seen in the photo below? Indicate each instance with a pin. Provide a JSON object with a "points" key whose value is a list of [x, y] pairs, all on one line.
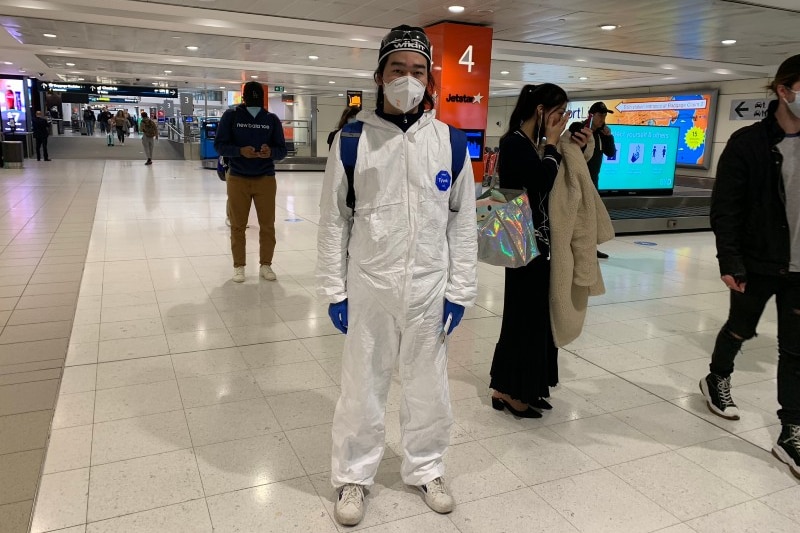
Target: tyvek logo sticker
{"points": [[443, 180]]}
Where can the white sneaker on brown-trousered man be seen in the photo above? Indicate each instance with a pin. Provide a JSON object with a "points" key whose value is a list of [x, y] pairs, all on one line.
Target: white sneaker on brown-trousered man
{"points": [[238, 274], [437, 496], [349, 507], [267, 273]]}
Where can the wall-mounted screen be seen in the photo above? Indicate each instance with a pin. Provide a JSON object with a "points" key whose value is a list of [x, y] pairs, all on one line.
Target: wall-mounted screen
{"points": [[645, 161], [693, 113], [475, 142], [12, 105]]}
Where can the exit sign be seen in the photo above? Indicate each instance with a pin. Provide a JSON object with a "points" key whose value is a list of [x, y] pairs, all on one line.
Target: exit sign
{"points": [[279, 88]]}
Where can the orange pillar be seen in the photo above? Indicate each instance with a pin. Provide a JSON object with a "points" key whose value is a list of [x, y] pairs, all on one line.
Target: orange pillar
{"points": [[462, 56]]}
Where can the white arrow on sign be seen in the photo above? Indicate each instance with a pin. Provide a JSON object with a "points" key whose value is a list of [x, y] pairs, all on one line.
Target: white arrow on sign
{"points": [[668, 105]]}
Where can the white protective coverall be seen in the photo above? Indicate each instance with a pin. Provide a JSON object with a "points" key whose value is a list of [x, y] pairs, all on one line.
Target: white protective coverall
{"points": [[410, 245]]}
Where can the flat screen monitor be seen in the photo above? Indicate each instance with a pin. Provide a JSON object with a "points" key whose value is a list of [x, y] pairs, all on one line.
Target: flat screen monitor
{"points": [[475, 142], [644, 163], [692, 112], [12, 105]]}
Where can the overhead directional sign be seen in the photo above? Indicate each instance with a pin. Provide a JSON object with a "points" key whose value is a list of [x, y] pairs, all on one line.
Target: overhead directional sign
{"points": [[755, 109], [110, 90]]}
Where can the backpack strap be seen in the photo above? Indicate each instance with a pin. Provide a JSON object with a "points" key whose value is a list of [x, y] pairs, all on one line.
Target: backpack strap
{"points": [[458, 146], [348, 151]]}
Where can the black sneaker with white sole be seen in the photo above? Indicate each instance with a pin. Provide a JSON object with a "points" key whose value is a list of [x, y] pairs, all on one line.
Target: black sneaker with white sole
{"points": [[717, 391], [787, 449]]}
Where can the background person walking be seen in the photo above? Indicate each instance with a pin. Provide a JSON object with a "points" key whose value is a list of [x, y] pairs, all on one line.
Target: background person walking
{"points": [[149, 137]]}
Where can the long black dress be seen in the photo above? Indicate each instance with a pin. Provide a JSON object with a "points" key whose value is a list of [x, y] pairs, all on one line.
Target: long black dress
{"points": [[525, 362]]}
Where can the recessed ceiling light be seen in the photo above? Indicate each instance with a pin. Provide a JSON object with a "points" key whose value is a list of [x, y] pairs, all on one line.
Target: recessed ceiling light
{"points": [[359, 39], [313, 58], [581, 60], [192, 48], [609, 27], [80, 79], [504, 72], [728, 41], [331, 82], [456, 9], [167, 72], [668, 67], [50, 35], [722, 71], [70, 64], [583, 78], [7, 63], [176, 36], [23, 70], [254, 77], [154, 83], [341, 94], [668, 78], [221, 87]]}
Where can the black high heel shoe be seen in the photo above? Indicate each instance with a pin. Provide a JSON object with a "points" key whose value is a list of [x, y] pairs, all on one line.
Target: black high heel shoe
{"points": [[500, 404], [541, 403]]}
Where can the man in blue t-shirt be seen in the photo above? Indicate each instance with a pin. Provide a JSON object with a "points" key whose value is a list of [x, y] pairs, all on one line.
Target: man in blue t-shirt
{"points": [[252, 139]]}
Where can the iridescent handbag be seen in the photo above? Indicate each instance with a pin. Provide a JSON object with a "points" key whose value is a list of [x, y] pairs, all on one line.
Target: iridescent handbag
{"points": [[506, 233]]}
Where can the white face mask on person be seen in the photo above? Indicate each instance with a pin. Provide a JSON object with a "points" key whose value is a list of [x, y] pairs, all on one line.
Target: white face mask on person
{"points": [[404, 93], [794, 107]]}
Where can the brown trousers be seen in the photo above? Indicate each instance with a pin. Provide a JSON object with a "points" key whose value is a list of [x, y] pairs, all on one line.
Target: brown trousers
{"points": [[241, 193]]}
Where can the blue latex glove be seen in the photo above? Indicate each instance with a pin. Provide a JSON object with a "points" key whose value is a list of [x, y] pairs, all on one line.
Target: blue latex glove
{"points": [[338, 314], [452, 309]]}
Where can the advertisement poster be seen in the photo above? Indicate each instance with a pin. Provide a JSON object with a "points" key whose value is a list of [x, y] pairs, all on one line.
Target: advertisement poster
{"points": [[691, 113], [12, 105]]}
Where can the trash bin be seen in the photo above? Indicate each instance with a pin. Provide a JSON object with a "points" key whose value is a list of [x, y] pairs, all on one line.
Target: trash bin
{"points": [[12, 154]]}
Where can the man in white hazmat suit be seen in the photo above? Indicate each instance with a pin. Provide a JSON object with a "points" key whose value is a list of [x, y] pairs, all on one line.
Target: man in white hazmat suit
{"points": [[395, 269]]}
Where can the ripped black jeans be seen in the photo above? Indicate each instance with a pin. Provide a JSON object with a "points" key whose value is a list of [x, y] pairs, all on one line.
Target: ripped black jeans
{"points": [[745, 312]]}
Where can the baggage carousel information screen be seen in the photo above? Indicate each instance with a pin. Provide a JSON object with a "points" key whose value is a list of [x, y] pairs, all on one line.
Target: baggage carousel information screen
{"points": [[645, 160]]}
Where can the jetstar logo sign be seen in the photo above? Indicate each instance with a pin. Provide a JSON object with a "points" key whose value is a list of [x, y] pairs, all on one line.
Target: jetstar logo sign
{"points": [[464, 98]]}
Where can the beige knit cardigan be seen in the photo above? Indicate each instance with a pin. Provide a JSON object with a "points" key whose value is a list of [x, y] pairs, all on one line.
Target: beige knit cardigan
{"points": [[578, 223]]}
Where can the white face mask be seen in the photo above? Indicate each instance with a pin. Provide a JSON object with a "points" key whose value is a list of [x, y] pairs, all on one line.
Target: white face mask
{"points": [[404, 93], [794, 107]]}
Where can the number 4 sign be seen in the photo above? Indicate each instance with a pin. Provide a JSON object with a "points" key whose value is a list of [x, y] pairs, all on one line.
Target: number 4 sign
{"points": [[466, 58]]}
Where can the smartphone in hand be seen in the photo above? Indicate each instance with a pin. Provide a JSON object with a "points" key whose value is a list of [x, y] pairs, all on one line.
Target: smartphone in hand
{"points": [[590, 121]]}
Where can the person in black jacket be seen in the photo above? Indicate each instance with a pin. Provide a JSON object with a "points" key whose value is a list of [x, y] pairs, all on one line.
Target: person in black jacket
{"points": [[603, 145], [755, 215], [525, 363], [41, 130], [252, 139]]}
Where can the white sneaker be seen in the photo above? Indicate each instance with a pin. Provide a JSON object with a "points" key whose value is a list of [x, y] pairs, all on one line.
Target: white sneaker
{"points": [[437, 497], [267, 273], [349, 507], [238, 274]]}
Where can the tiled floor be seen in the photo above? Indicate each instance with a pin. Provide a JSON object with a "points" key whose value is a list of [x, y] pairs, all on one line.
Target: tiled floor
{"points": [[193, 404]]}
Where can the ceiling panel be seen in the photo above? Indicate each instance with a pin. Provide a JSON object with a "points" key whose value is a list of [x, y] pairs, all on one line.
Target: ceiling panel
{"points": [[534, 40]]}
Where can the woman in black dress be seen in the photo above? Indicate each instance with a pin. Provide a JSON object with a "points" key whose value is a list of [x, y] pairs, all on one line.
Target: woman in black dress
{"points": [[525, 358]]}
